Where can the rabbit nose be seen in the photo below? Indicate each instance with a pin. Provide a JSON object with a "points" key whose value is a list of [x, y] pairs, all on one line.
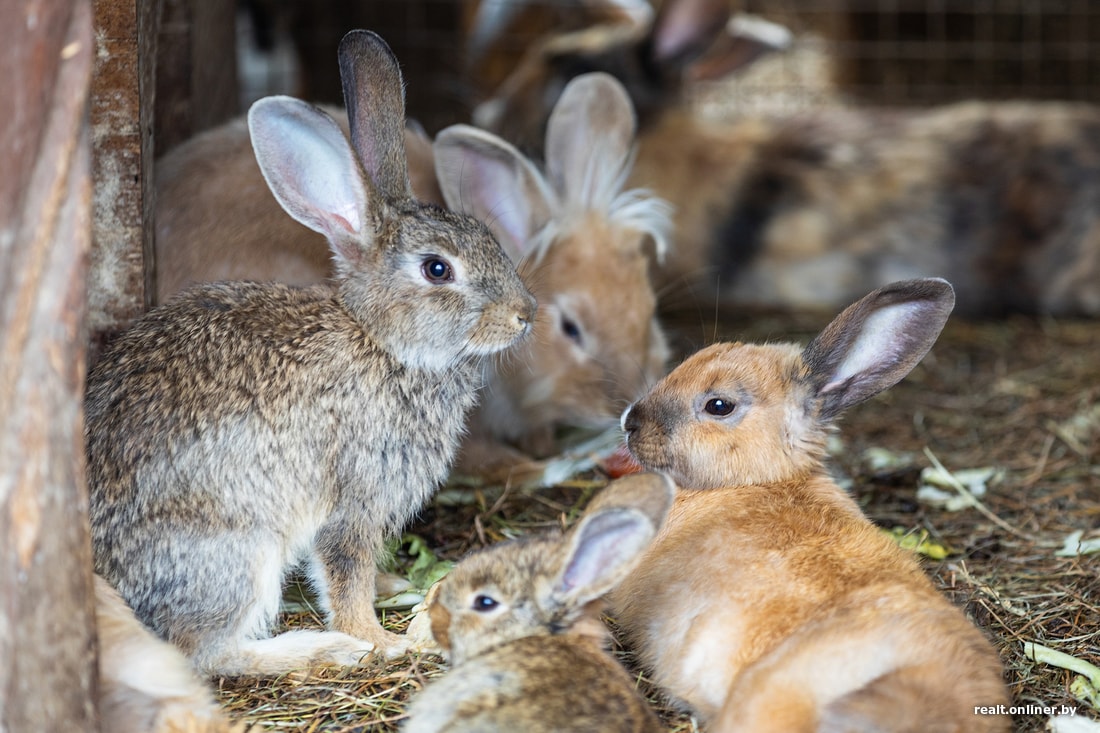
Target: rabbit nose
{"points": [[628, 421]]}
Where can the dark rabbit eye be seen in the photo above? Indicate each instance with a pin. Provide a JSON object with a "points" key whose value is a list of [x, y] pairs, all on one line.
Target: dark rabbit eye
{"points": [[719, 407], [571, 330], [485, 603], [437, 270]]}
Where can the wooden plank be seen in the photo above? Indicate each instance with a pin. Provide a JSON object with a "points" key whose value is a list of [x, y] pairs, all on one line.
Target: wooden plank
{"points": [[121, 266], [197, 85], [47, 648]]}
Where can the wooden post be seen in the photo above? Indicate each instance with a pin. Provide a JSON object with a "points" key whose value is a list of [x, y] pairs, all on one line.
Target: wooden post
{"points": [[47, 647], [120, 281], [197, 84]]}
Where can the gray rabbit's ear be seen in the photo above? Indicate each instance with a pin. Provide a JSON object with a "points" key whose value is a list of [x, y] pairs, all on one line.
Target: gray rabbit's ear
{"points": [[488, 179], [589, 138], [375, 97], [876, 341], [310, 168], [608, 542]]}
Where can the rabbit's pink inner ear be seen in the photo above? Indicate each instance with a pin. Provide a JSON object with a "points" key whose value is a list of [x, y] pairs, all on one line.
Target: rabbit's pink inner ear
{"points": [[603, 548], [309, 166], [686, 28], [485, 177], [876, 341]]}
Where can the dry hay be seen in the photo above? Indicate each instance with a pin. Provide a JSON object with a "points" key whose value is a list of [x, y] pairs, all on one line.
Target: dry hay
{"points": [[1020, 395]]}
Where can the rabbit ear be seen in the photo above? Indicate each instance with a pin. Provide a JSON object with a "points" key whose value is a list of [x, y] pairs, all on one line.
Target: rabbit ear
{"points": [[307, 163], [609, 540], [485, 177], [375, 98], [685, 29], [589, 138], [746, 39], [876, 341]]}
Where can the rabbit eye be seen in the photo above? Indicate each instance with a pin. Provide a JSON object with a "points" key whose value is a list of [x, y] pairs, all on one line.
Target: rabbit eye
{"points": [[571, 330], [437, 270], [485, 603], [719, 407]]}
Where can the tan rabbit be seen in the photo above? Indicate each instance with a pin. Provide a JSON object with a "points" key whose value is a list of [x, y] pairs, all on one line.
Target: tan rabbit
{"points": [[145, 684], [216, 218], [520, 623], [583, 245], [241, 429], [815, 208], [769, 602]]}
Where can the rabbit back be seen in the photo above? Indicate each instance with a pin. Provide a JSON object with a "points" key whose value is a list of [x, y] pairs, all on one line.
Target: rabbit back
{"points": [[539, 684], [812, 598], [812, 211]]}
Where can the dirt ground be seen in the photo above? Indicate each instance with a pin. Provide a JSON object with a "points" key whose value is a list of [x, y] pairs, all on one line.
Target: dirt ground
{"points": [[1021, 396]]}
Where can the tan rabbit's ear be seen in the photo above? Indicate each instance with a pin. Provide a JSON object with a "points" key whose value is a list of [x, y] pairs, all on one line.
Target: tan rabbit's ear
{"points": [[589, 138], [375, 97], [488, 179], [607, 543], [876, 341]]}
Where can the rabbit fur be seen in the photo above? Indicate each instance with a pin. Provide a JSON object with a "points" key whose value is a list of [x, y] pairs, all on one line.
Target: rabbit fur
{"points": [[583, 244], [241, 428], [769, 602], [145, 684], [520, 623], [813, 209]]}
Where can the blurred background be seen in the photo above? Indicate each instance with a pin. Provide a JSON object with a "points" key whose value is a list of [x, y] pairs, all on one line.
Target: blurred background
{"points": [[882, 52]]}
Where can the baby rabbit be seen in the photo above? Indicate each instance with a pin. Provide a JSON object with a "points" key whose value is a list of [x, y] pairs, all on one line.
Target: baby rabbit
{"points": [[769, 602], [145, 684], [521, 624], [242, 428], [583, 246]]}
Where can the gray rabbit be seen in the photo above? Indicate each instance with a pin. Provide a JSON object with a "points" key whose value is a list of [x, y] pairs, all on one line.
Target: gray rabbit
{"points": [[240, 428]]}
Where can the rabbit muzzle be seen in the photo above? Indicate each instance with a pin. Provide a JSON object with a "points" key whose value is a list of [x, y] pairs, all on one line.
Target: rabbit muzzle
{"points": [[648, 431], [504, 324]]}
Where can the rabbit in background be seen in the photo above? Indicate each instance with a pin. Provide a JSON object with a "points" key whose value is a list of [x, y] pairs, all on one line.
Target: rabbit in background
{"points": [[241, 429], [769, 602], [216, 218], [812, 209], [583, 245], [520, 623], [145, 684]]}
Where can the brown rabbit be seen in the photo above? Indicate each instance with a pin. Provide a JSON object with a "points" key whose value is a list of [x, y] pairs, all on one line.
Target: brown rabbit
{"points": [[815, 208], [242, 429], [520, 623], [583, 246], [216, 218], [145, 684], [769, 602]]}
